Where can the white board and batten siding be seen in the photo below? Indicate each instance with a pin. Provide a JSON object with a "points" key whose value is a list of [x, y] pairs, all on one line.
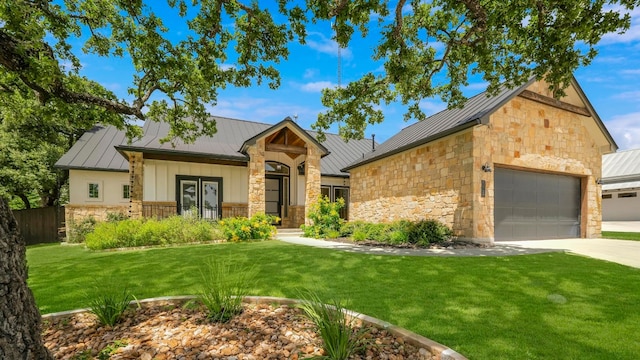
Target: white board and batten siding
{"points": [[110, 187], [160, 179]]}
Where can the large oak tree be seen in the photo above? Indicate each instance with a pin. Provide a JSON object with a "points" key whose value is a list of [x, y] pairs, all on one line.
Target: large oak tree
{"points": [[418, 41]]}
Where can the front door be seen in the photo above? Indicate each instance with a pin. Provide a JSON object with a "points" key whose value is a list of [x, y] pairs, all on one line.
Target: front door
{"points": [[200, 196], [273, 198]]}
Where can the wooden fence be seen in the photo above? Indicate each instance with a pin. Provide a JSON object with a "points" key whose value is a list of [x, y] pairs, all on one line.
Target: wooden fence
{"points": [[40, 225]]}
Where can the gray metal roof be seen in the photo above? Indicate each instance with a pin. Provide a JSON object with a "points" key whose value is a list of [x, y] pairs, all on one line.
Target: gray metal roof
{"points": [[444, 123], [621, 167], [96, 150]]}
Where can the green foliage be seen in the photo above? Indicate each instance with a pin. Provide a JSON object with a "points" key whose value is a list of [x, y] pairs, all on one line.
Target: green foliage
{"points": [[107, 351], [108, 300], [422, 233], [340, 337], [116, 216], [78, 230], [258, 227], [425, 232], [325, 218], [223, 287], [149, 232]]}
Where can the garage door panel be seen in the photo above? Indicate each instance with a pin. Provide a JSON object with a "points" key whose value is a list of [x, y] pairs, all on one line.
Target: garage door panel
{"points": [[531, 205]]}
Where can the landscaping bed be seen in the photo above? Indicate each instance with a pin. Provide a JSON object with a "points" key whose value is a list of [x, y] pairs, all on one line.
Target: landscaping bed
{"points": [[449, 244], [165, 330]]}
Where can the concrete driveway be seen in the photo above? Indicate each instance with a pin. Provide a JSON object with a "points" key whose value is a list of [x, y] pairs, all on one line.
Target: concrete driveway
{"points": [[620, 251], [624, 226]]}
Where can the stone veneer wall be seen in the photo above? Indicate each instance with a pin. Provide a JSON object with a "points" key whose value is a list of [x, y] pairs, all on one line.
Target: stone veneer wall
{"points": [[136, 168], [295, 218], [528, 135], [76, 213], [429, 181], [256, 178], [312, 178], [234, 209]]}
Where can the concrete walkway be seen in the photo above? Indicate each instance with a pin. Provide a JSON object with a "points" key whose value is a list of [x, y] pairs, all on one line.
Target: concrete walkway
{"points": [[619, 251]]}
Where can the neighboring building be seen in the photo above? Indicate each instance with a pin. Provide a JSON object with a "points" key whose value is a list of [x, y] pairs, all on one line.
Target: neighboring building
{"points": [[245, 168], [621, 186], [517, 165]]}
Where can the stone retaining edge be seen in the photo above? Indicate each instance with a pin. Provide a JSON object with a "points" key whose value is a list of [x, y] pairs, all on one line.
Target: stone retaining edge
{"points": [[441, 352]]}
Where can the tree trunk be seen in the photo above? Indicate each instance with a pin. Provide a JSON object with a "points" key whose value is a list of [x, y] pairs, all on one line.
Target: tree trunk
{"points": [[25, 200], [19, 317]]}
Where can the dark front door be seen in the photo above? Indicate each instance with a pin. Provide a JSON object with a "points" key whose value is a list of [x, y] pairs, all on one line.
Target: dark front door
{"points": [[200, 196], [273, 196], [530, 205]]}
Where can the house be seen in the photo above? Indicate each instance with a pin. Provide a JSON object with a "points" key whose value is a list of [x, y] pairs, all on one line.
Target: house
{"points": [[246, 168], [517, 165], [620, 186]]}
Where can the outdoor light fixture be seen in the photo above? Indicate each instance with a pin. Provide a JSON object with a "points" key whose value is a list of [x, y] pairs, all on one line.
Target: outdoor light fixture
{"points": [[486, 167], [599, 181]]}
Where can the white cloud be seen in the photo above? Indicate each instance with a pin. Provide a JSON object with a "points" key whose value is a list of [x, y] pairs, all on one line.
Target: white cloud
{"points": [[480, 86], [309, 73], [327, 46], [625, 130], [634, 95], [225, 67], [263, 110], [431, 107], [631, 35], [317, 86], [610, 59], [630, 72]]}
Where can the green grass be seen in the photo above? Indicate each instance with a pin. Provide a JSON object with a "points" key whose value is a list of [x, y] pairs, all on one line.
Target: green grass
{"points": [[483, 307], [621, 235]]}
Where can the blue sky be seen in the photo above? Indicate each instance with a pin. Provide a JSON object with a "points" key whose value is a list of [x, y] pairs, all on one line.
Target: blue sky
{"points": [[611, 82]]}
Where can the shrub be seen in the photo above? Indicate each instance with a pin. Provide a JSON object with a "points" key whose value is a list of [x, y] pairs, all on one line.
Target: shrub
{"points": [[116, 216], [425, 232], [223, 288], [78, 230], [108, 301], [258, 227], [340, 338], [148, 232], [325, 218]]}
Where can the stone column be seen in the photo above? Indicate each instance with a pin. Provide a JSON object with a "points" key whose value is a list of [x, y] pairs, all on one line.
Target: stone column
{"points": [[136, 177], [256, 203], [312, 180]]}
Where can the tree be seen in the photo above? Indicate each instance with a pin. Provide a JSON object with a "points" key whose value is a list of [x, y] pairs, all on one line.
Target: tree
{"points": [[175, 78], [34, 136]]}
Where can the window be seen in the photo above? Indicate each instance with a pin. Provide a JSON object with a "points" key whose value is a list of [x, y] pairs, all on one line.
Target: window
{"points": [[628, 195], [325, 191], [126, 191], [94, 191], [607, 196]]}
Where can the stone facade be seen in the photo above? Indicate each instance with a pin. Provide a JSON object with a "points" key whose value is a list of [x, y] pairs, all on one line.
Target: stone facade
{"points": [[432, 181], [136, 177], [76, 213], [528, 135], [442, 179], [295, 218], [312, 178], [234, 209], [256, 178]]}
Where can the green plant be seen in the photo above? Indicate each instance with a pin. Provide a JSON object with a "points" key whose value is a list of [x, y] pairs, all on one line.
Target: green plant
{"points": [[78, 230], [341, 338], [325, 218], [116, 216], [425, 232], [258, 227], [107, 351], [108, 301], [223, 287]]}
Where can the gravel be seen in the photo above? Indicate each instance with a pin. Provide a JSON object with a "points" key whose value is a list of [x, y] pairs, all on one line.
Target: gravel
{"points": [[168, 331]]}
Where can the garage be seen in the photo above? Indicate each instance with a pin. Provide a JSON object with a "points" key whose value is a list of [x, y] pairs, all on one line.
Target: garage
{"points": [[533, 206]]}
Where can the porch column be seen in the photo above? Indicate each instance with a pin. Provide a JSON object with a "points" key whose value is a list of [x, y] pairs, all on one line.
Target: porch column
{"points": [[136, 177], [256, 178], [312, 180]]}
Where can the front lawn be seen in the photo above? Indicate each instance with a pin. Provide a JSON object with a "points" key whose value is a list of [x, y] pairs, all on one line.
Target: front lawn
{"points": [[621, 235], [545, 306]]}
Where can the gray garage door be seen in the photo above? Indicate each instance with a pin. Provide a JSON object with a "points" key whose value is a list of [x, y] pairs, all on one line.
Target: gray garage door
{"points": [[530, 206]]}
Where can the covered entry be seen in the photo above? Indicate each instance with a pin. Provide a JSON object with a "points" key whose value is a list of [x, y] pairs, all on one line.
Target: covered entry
{"points": [[531, 206]]}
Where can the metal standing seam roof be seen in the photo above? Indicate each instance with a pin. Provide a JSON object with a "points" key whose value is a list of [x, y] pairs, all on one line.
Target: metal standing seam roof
{"points": [[621, 167], [441, 124], [475, 110], [96, 149]]}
